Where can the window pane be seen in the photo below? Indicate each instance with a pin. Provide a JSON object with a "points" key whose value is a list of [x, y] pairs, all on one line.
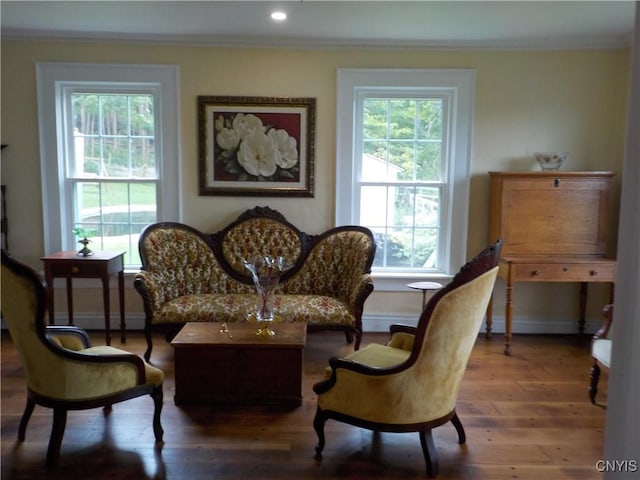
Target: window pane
{"points": [[115, 158], [142, 124], [428, 161], [143, 158], [402, 119], [114, 115], [374, 206], [429, 118], [401, 156], [375, 113]]}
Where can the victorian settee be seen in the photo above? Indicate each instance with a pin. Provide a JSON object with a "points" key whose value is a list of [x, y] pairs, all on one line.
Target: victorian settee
{"points": [[188, 275]]}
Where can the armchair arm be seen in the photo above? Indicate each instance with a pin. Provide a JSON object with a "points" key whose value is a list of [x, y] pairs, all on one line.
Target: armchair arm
{"points": [[607, 320], [341, 363], [108, 358], [67, 336], [402, 336], [397, 327]]}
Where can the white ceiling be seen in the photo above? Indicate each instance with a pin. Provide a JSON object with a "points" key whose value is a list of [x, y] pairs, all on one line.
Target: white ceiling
{"points": [[448, 24]]}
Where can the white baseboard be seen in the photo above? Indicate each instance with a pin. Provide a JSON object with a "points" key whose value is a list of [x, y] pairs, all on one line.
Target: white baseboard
{"points": [[370, 323], [522, 324], [90, 321]]}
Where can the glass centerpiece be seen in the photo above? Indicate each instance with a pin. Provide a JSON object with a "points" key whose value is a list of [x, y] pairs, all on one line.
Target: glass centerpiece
{"points": [[265, 273]]}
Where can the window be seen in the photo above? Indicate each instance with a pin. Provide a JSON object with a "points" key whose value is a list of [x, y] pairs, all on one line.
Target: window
{"points": [[109, 156], [403, 166]]}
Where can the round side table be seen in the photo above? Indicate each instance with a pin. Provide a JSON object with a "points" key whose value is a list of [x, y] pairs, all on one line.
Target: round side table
{"points": [[425, 287]]}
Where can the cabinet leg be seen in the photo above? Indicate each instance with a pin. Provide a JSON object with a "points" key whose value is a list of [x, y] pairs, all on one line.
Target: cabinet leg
{"points": [[489, 323], [508, 317], [583, 308]]}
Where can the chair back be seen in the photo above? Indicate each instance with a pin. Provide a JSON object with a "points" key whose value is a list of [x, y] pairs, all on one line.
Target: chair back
{"points": [[447, 331], [23, 309]]}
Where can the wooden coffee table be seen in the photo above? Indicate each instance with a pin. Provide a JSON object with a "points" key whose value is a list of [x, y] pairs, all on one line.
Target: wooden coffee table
{"points": [[239, 366]]}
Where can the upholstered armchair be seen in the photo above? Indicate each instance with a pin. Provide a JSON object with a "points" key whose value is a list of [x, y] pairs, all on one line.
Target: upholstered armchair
{"points": [[63, 371], [411, 383], [601, 349]]}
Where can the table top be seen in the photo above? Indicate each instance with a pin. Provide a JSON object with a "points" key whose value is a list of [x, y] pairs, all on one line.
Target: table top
{"points": [[73, 255], [197, 334], [425, 285]]}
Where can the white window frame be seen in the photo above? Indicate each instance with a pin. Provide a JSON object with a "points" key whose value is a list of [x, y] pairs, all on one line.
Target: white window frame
{"points": [[52, 80], [456, 84]]}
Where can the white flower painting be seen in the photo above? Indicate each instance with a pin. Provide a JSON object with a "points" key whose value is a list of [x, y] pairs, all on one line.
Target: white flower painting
{"points": [[256, 146], [251, 150]]}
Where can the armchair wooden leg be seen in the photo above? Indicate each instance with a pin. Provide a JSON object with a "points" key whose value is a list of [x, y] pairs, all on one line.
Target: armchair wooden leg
{"points": [[28, 410], [462, 436], [147, 337], [318, 425], [595, 376], [157, 396], [430, 453], [57, 432]]}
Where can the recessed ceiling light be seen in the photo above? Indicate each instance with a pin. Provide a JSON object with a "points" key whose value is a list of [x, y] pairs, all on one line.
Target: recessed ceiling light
{"points": [[278, 16]]}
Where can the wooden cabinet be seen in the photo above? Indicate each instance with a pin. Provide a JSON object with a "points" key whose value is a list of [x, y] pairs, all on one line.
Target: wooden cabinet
{"points": [[555, 228]]}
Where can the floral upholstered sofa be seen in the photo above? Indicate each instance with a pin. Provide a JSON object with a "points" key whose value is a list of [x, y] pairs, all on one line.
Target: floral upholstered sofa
{"points": [[189, 276]]}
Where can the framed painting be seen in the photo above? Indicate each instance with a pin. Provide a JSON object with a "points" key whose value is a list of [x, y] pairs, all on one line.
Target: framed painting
{"points": [[260, 146]]}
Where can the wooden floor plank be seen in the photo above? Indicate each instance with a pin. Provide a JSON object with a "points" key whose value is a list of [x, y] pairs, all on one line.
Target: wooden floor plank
{"points": [[527, 416]]}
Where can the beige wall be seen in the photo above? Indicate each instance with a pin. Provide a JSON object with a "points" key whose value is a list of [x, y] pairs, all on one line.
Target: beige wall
{"points": [[525, 101]]}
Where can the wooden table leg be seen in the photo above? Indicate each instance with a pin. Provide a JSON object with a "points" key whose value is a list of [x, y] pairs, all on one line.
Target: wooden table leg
{"points": [[49, 281], [107, 311], [70, 299], [123, 327]]}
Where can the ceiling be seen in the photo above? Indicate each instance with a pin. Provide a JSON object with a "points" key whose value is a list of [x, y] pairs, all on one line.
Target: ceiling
{"points": [[444, 24]]}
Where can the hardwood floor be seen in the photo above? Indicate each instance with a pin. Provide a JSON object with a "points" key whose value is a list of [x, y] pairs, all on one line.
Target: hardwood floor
{"points": [[527, 416]]}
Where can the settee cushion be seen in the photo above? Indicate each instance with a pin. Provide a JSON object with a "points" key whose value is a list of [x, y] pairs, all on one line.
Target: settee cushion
{"points": [[220, 307]]}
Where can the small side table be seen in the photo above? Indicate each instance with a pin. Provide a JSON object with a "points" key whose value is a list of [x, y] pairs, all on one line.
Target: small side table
{"points": [[425, 287], [101, 265]]}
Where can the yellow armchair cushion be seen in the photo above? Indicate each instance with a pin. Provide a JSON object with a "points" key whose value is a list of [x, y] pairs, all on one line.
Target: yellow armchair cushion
{"points": [[153, 375], [67, 341], [402, 340], [377, 356]]}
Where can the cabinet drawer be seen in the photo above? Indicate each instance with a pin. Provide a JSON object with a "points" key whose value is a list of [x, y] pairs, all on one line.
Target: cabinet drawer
{"points": [[563, 272], [76, 269]]}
